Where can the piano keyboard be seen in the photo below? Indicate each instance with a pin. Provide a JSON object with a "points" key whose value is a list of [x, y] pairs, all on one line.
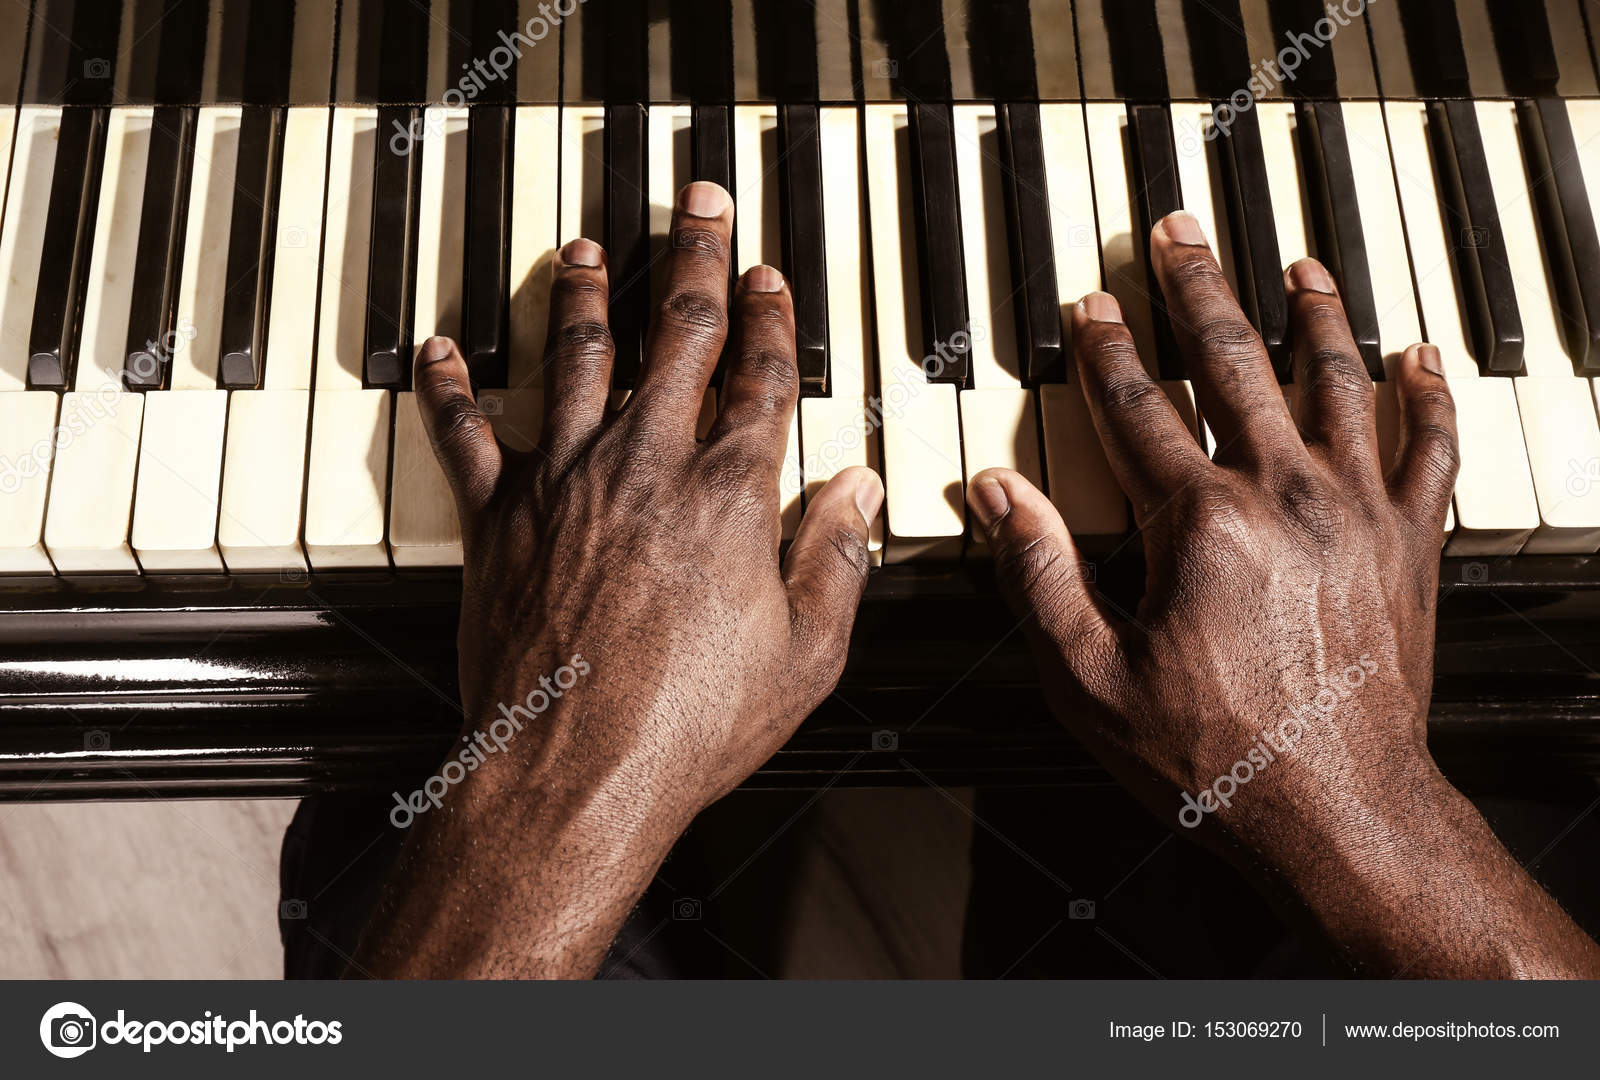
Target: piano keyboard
{"points": [[210, 310]]}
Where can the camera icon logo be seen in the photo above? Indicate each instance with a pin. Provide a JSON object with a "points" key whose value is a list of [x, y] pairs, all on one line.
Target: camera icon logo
{"points": [[292, 575], [1080, 909], [1476, 236], [96, 68], [293, 910], [492, 405], [685, 909], [886, 740], [886, 68], [1475, 573], [67, 1030], [97, 740], [294, 236]]}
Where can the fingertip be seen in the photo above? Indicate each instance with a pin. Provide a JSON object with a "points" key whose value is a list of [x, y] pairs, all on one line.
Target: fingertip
{"points": [[435, 349], [1183, 228], [1425, 358], [1097, 307], [988, 498], [1309, 275], [867, 490], [763, 279], [581, 253], [704, 199]]}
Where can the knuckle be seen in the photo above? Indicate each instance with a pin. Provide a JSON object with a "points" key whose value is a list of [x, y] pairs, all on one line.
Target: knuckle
{"points": [[1438, 448], [699, 241], [1229, 338], [457, 421], [1130, 392], [765, 379], [583, 340], [1036, 570], [697, 313], [1197, 272], [1307, 503], [1338, 376]]}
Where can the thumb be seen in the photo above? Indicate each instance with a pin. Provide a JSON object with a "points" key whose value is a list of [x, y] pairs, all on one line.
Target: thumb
{"points": [[826, 568], [462, 437], [1036, 563]]}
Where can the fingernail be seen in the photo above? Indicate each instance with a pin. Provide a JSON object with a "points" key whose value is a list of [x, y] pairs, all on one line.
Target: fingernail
{"points": [[989, 501], [1183, 227], [703, 199], [869, 498], [1309, 274], [435, 349], [1430, 360], [581, 252], [763, 279], [1101, 307]]}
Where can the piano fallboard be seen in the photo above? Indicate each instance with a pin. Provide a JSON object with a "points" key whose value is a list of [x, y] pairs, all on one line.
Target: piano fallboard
{"points": [[142, 687]]}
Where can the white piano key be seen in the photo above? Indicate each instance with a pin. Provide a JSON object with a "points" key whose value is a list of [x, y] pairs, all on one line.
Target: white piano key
{"points": [[180, 474], [1285, 181], [33, 164], [347, 482], [424, 529], [204, 283], [1495, 507], [671, 167], [347, 250], [297, 255], [1075, 235], [1122, 243], [583, 166], [1557, 407], [1081, 483], [534, 218], [985, 248], [441, 225], [924, 503], [263, 481], [27, 444], [758, 239], [91, 488], [1200, 181]]}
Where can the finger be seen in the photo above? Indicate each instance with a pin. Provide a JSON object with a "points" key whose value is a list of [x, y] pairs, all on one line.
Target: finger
{"points": [[761, 382], [1234, 383], [1150, 450], [1036, 562], [462, 439], [826, 569], [578, 349], [1337, 411], [691, 322], [1430, 455]]}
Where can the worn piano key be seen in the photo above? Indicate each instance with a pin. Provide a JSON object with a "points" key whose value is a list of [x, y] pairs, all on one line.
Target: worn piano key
{"points": [[488, 238], [396, 183], [346, 249], [263, 481], [1156, 192], [163, 225], [1325, 155], [1567, 218], [442, 214], [534, 223], [1556, 406], [1258, 267], [760, 241], [27, 439], [921, 435], [1480, 243], [940, 264], [1495, 507], [840, 429], [800, 198], [627, 238], [1026, 190], [202, 283], [64, 253], [251, 245], [347, 495], [180, 474]]}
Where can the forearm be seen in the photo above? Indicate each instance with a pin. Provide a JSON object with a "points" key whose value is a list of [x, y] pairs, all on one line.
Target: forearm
{"points": [[529, 880], [1412, 882]]}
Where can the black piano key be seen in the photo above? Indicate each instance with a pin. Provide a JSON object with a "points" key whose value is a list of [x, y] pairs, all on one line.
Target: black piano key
{"points": [[251, 240], [628, 238], [940, 264], [1033, 262], [163, 221], [1258, 265], [1567, 221], [391, 273], [65, 255], [1157, 193], [1336, 214], [1433, 45], [1138, 53], [805, 264], [1473, 226], [490, 130]]}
